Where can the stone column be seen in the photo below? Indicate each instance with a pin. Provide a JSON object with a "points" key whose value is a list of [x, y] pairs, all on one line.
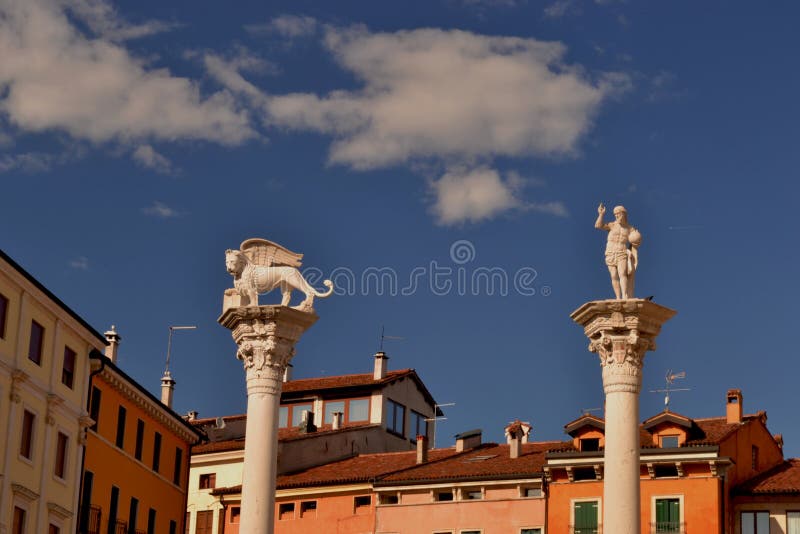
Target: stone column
{"points": [[265, 336], [621, 332]]}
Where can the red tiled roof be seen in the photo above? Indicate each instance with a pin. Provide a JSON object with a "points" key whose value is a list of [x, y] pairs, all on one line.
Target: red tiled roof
{"points": [[486, 461], [343, 381], [284, 434], [783, 478]]}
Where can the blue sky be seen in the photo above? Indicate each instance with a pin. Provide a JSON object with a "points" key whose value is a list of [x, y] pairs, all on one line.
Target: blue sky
{"points": [[138, 141]]}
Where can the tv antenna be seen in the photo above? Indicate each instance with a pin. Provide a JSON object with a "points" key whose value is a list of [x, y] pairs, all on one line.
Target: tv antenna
{"points": [[669, 379], [385, 337]]}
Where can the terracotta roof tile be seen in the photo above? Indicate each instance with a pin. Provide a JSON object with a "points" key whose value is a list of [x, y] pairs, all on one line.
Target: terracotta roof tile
{"points": [[343, 381], [489, 460], [783, 478]]}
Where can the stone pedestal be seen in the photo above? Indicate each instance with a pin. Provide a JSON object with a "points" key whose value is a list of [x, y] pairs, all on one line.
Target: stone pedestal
{"points": [[621, 332], [265, 336]]}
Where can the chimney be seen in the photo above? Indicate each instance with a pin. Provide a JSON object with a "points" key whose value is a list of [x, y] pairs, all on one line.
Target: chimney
{"points": [[287, 373], [422, 449], [113, 344], [307, 425], [192, 415], [167, 389], [337, 420], [524, 427], [468, 440], [381, 362], [734, 406], [514, 433]]}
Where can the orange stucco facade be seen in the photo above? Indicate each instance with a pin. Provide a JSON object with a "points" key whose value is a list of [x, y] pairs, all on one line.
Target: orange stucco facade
{"points": [[108, 466]]}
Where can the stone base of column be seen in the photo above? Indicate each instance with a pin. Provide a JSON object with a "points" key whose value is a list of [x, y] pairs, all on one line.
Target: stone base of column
{"points": [[621, 332], [265, 336]]}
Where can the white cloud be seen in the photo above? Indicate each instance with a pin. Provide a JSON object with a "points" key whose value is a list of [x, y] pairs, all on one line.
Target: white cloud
{"points": [[472, 195], [227, 71], [26, 162], [147, 157], [449, 95], [160, 210], [286, 25], [558, 9], [81, 263], [555, 207], [57, 77]]}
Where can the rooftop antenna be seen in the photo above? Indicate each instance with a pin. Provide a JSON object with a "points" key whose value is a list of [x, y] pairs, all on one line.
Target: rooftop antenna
{"points": [[385, 337], [669, 379], [437, 418], [588, 411]]}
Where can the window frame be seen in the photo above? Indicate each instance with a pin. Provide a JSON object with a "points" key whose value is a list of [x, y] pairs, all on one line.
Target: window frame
{"points": [[661, 439], [596, 500], [346, 410], [156, 463], [539, 528], [36, 356], [4, 302], [95, 404], [27, 445], [68, 374], [177, 470], [653, 507], [391, 416], [305, 508], [797, 512], [364, 506], [122, 416], [138, 448], [417, 419], [594, 442], [286, 508], [755, 520], [207, 481], [290, 413], [64, 461]]}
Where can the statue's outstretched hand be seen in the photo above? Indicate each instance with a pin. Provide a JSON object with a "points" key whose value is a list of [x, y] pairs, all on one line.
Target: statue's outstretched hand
{"points": [[601, 209]]}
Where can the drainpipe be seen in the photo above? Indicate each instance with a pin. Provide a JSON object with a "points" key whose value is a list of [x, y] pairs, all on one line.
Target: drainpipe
{"points": [[79, 522]]}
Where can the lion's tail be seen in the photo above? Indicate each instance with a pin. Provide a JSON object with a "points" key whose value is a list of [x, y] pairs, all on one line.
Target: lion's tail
{"points": [[324, 294]]}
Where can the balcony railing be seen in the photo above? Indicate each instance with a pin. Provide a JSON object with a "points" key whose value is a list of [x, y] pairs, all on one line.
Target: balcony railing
{"points": [[668, 527], [121, 527], [93, 523]]}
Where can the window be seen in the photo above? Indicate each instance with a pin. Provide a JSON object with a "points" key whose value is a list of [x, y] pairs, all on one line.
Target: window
{"points": [[395, 417], [156, 451], [361, 504], [173, 526], [60, 467], [121, 414], [669, 442], [418, 424], [151, 521], [389, 498], [352, 410], [308, 509], [665, 471], [442, 496], [754, 457], [236, 512], [286, 511], [590, 444], [134, 511], [204, 522], [531, 492], [668, 515], [18, 526], [53, 529], [530, 531], [3, 315], [85, 523], [176, 473], [35, 343], [26, 441], [208, 481], [94, 408], [472, 495], [755, 522], [584, 473], [792, 522], [137, 452], [68, 367], [585, 517], [293, 413], [469, 532], [112, 509]]}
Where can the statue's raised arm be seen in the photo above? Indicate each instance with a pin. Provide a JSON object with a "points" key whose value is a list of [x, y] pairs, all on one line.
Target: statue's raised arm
{"points": [[621, 260]]}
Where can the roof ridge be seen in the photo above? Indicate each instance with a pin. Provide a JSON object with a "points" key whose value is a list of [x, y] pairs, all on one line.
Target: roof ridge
{"points": [[395, 371]]}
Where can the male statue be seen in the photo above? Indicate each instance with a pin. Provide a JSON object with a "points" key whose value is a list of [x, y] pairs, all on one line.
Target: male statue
{"points": [[621, 260]]}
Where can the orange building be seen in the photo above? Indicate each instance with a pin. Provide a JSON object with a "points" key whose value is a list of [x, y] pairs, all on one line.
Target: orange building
{"points": [[689, 469], [136, 467]]}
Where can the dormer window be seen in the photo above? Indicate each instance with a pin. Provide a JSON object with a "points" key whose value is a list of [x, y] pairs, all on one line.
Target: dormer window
{"points": [[669, 442], [590, 444]]}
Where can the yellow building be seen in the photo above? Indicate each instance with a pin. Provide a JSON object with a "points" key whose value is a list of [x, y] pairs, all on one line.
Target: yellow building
{"points": [[137, 456], [44, 377]]}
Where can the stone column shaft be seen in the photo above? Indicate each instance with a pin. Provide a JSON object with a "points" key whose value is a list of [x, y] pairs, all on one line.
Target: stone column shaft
{"points": [[265, 336], [621, 332]]}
